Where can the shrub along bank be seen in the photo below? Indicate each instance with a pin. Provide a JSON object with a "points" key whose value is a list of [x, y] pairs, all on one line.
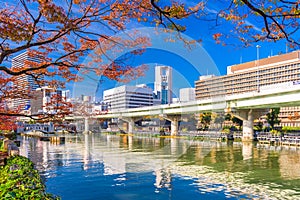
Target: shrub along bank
{"points": [[19, 180]]}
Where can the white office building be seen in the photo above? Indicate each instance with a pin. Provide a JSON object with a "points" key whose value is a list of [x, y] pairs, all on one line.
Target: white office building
{"points": [[187, 94], [66, 94], [163, 84], [125, 97]]}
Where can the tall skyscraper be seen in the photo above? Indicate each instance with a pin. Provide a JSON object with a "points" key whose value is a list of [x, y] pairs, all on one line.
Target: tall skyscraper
{"points": [[163, 84], [24, 82]]}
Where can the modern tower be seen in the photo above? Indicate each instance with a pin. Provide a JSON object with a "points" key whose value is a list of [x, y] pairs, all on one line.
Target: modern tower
{"points": [[24, 82], [163, 84]]}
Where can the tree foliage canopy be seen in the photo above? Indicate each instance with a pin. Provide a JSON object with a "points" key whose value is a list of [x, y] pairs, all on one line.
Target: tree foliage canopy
{"points": [[262, 20], [60, 34], [272, 117], [63, 33], [205, 119]]}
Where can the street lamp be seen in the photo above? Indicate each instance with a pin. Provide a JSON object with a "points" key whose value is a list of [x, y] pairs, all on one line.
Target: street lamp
{"points": [[257, 63]]}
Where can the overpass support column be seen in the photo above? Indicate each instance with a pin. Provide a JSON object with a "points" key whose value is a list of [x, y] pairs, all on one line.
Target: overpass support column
{"points": [[248, 116], [174, 126], [130, 123], [174, 119], [248, 126]]}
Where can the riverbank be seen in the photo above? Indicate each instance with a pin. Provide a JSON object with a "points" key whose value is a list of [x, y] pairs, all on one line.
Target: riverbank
{"points": [[20, 180]]}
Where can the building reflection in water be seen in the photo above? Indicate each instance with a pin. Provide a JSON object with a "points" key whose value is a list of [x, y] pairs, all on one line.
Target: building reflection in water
{"points": [[289, 163], [130, 143], [86, 153], [174, 146], [163, 178], [121, 155]]}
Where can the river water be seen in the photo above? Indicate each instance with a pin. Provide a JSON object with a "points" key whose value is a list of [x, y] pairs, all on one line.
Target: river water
{"points": [[114, 167]]}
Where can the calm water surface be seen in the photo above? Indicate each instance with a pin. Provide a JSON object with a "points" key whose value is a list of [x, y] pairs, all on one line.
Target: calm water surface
{"points": [[123, 167]]}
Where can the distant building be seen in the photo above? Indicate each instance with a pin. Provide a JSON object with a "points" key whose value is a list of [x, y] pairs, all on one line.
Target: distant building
{"points": [[163, 84], [175, 100], [125, 96], [42, 97], [66, 94], [100, 107], [272, 73], [187, 94], [85, 98], [24, 82]]}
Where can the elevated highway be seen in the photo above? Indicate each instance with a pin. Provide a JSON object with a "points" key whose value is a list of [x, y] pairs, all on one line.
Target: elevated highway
{"points": [[246, 106]]}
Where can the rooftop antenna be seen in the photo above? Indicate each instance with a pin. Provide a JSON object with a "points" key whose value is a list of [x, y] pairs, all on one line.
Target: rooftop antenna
{"points": [[241, 59], [286, 47]]}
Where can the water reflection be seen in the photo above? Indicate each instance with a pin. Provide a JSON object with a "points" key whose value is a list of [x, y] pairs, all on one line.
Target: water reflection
{"points": [[163, 178], [236, 170], [247, 150], [289, 164]]}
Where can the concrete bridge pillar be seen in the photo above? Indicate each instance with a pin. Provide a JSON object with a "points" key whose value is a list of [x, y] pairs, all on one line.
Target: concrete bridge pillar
{"points": [[248, 126], [174, 126], [174, 119], [130, 123], [248, 116]]}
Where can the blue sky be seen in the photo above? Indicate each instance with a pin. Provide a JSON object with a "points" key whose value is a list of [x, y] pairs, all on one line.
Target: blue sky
{"points": [[204, 58], [189, 65]]}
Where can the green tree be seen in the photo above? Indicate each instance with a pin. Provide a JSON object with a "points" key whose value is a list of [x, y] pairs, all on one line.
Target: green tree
{"points": [[272, 117], [227, 117], [237, 121], [259, 126], [205, 119], [219, 119], [20, 180]]}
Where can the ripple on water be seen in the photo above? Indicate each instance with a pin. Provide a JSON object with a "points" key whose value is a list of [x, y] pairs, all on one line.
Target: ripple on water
{"points": [[100, 167], [232, 184]]}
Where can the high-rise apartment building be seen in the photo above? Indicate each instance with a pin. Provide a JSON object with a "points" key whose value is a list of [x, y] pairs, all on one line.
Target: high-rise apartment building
{"points": [[269, 73], [24, 82], [163, 84], [125, 97]]}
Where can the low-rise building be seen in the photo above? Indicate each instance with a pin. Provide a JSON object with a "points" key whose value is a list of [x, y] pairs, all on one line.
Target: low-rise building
{"points": [[126, 96]]}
